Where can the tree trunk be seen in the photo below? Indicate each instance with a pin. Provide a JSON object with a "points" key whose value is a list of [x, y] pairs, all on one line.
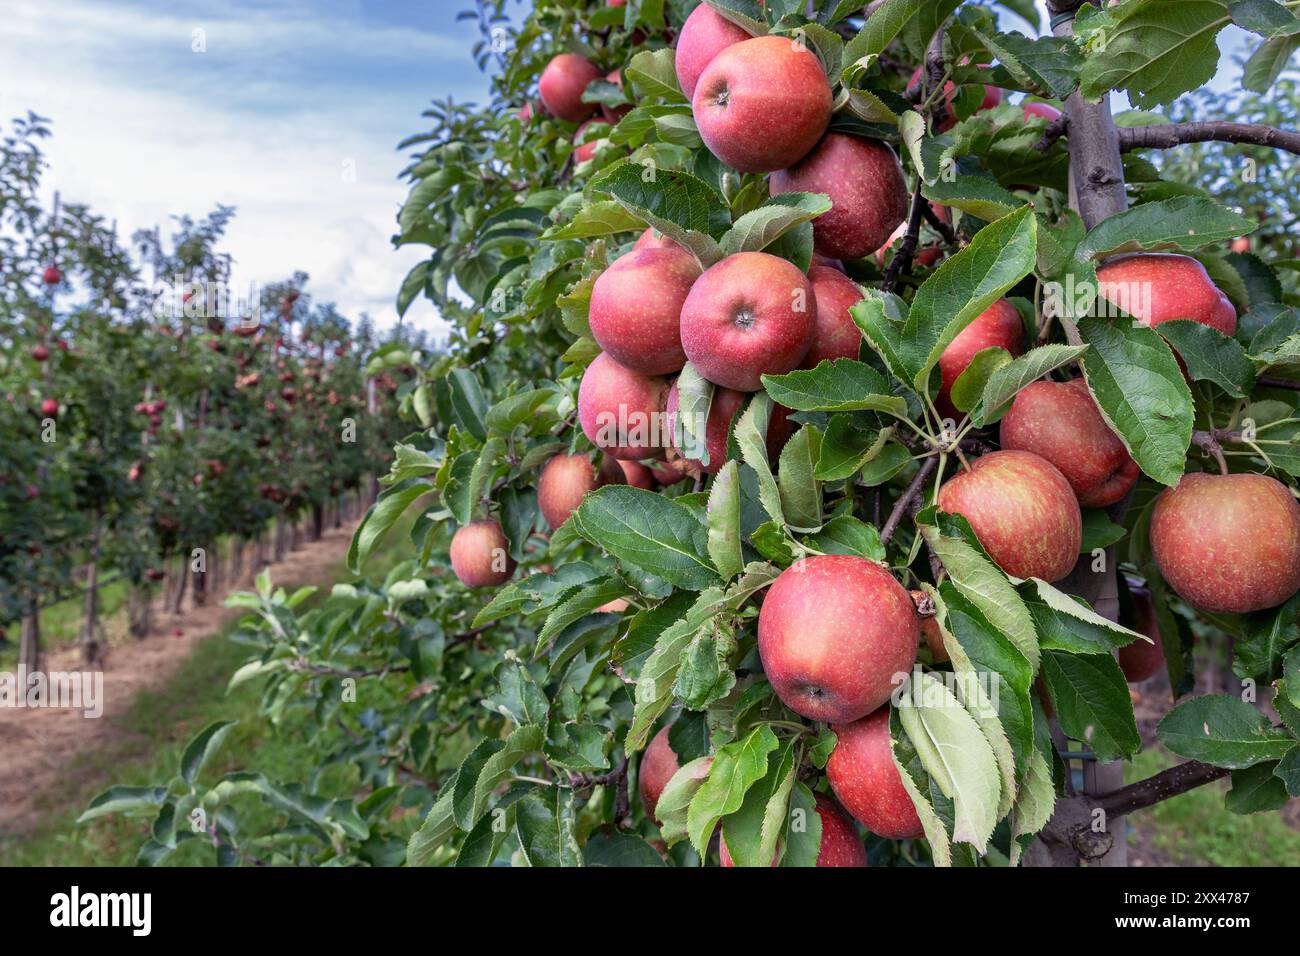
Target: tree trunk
{"points": [[200, 598], [317, 521], [182, 578], [279, 539], [1096, 192], [29, 644], [92, 645]]}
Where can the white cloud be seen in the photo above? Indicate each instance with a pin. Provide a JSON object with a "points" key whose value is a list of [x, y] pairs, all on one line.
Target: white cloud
{"points": [[269, 119]]}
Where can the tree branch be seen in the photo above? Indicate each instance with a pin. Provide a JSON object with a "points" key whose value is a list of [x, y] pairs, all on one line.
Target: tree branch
{"points": [[903, 258], [913, 489], [1168, 135], [1157, 789]]}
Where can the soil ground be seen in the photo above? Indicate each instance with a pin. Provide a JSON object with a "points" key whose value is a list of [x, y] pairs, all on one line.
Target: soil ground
{"points": [[37, 746]]}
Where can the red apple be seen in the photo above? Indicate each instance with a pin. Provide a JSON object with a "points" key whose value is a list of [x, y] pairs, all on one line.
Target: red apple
{"points": [[653, 240], [584, 151], [1059, 421], [705, 34], [1240, 244], [1035, 110], [636, 308], [862, 773], [1022, 510], [51, 275], [998, 325], [1141, 660], [562, 84], [40, 353], [669, 472], [480, 555], [762, 104], [50, 407], [834, 333], [622, 411], [833, 632], [840, 846], [865, 183], [655, 770], [1157, 287], [1228, 544], [563, 483], [726, 405], [637, 475], [750, 314]]}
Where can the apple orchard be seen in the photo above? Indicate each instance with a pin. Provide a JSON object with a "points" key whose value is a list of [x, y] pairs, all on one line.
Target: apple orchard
{"points": [[841, 408]]}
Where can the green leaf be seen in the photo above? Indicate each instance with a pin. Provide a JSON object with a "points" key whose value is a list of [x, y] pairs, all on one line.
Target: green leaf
{"points": [[751, 833], [890, 19], [801, 492], [846, 447], [979, 580], [383, 514], [845, 534], [724, 522], [1157, 52], [1222, 731], [1210, 355], [412, 285], [694, 399], [652, 73], [1181, 224], [804, 834], [611, 847], [596, 219], [1267, 63], [736, 768], [877, 318], [486, 767], [199, 750], [546, 827], [1046, 65], [955, 752], [577, 606], [751, 437], [1006, 382], [1265, 17], [1099, 532], [879, 469], [969, 387], [1256, 790], [656, 534], [682, 207], [468, 406], [842, 385], [759, 228], [1267, 637], [1288, 771], [124, 800], [1092, 702], [703, 674], [977, 195], [963, 287], [1141, 393], [674, 803], [658, 677]]}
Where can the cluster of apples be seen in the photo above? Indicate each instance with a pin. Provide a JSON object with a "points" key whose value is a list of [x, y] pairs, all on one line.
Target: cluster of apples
{"points": [[834, 630]]}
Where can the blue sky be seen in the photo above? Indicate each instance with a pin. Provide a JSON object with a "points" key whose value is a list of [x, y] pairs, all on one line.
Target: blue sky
{"points": [[288, 110], [288, 97]]}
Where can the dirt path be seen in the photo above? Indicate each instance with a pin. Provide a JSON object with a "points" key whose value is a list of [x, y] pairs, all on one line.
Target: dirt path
{"points": [[36, 744]]}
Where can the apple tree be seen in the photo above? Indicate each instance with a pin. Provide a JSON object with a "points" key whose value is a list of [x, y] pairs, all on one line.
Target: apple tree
{"points": [[840, 406]]}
